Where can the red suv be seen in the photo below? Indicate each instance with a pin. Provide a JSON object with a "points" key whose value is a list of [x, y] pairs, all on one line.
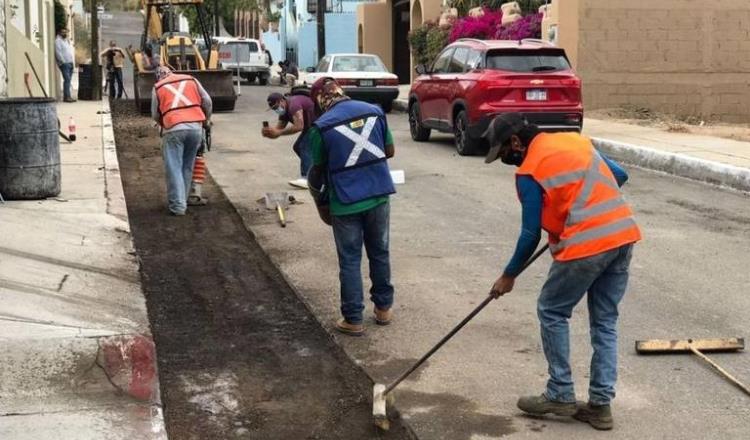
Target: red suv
{"points": [[473, 80]]}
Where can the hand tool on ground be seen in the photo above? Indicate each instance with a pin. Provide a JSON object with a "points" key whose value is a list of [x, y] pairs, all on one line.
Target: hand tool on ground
{"points": [[381, 392], [41, 86], [697, 347], [278, 201]]}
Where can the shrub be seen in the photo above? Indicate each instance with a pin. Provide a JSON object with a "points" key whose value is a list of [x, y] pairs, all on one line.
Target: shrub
{"points": [[483, 28], [418, 42], [530, 26], [61, 17], [437, 39]]}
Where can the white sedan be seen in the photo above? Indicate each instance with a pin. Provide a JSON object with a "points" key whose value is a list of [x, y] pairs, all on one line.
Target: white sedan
{"points": [[362, 76]]}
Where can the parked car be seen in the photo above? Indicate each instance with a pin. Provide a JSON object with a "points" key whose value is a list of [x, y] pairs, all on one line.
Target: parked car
{"points": [[471, 81], [362, 76], [244, 56]]}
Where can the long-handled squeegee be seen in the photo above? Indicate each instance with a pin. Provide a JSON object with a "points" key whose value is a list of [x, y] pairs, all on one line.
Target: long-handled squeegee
{"points": [[697, 346], [381, 393]]}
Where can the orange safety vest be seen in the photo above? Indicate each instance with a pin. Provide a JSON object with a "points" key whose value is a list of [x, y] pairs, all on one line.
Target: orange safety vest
{"points": [[583, 210], [179, 100]]}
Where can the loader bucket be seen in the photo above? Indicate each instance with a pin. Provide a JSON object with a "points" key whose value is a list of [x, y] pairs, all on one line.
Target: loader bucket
{"points": [[218, 83]]}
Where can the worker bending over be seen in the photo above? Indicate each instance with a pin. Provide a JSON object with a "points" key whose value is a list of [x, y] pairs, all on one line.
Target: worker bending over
{"points": [[571, 191]]}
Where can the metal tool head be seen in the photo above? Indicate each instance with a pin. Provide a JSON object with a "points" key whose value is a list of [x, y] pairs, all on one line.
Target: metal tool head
{"points": [[380, 418], [274, 199], [683, 345]]}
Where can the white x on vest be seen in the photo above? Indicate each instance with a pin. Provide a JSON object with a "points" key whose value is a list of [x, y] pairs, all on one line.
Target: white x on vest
{"points": [[178, 94], [362, 141]]}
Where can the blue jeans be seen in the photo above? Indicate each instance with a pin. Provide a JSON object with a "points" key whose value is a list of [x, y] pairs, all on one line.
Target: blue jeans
{"points": [[115, 78], [67, 73], [179, 149], [350, 232], [605, 278], [302, 149]]}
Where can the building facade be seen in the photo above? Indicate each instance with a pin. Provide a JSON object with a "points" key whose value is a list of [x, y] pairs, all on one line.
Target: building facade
{"points": [[27, 27], [383, 28]]}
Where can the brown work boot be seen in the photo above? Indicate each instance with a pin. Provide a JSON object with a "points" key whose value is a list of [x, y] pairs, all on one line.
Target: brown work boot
{"points": [[600, 417], [349, 329], [383, 317], [540, 405]]}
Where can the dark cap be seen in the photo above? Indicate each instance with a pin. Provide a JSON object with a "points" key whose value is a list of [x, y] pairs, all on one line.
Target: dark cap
{"points": [[501, 128], [274, 98]]}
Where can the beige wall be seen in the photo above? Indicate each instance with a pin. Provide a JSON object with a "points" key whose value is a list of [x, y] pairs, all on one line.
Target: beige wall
{"points": [[684, 57], [43, 56], [376, 20]]}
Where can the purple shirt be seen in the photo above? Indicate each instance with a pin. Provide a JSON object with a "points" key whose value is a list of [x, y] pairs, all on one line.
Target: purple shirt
{"points": [[296, 103]]}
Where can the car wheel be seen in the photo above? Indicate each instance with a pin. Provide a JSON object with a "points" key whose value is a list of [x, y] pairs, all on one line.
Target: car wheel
{"points": [[465, 144], [263, 80], [418, 132], [386, 106]]}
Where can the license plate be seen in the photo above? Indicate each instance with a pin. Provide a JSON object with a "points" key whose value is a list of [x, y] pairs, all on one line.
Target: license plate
{"points": [[536, 95], [366, 83]]}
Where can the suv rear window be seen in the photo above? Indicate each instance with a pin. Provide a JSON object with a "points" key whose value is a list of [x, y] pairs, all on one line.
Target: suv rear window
{"points": [[527, 60]]}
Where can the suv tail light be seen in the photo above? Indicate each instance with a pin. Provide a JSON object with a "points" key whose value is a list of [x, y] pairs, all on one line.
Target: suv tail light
{"points": [[387, 82], [575, 82]]}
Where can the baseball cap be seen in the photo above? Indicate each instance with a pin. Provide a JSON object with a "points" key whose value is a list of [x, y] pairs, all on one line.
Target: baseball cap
{"points": [[274, 98], [501, 128]]}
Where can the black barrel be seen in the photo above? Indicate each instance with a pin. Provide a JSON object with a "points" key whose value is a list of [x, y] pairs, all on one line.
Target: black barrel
{"points": [[85, 82], [29, 148]]}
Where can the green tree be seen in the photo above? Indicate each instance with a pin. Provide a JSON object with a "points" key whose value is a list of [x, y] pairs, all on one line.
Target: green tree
{"points": [[61, 17], [226, 11]]}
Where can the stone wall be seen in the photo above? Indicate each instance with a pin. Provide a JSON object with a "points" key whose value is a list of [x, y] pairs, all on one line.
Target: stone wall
{"points": [[686, 57]]}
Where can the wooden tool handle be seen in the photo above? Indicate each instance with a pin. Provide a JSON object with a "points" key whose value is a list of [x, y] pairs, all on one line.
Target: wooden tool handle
{"points": [[282, 219], [724, 372]]}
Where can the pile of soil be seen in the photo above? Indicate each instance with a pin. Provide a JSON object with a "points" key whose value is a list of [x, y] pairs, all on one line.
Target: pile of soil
{"points": [[239, 355]]}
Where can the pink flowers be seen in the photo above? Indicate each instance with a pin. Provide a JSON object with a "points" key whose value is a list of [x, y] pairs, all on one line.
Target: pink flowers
{"points": [[483, 28], [488, 27]]}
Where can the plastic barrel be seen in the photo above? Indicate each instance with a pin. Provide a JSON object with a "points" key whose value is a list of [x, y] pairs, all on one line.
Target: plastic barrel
{"points": [[85, 82], [29, 149]]}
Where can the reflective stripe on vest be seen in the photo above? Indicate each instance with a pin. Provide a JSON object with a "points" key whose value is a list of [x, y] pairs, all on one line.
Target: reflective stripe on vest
{"points": [[179, 100], [595, 220], [361, 141]]}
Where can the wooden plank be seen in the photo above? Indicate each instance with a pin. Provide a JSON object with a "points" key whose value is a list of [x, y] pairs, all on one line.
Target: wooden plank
{"points": [[683, 345]]}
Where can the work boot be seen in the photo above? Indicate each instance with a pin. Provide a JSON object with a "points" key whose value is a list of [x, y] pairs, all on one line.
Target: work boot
{"points": [[349, 329], [598, 416], [383, 317], [540, 405]]}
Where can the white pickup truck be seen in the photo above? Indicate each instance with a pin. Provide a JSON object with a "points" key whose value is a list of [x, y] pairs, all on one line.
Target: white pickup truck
{"points": [[245, 57]]}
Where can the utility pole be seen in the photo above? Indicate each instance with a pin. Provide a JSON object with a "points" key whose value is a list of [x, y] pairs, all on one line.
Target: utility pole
{"points": [[216, 18], [320, 14], [96, 71]]}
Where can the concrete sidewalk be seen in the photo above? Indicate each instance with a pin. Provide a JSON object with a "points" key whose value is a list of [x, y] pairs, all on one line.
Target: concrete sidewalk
{"points": [[715, 160], [77, 360]]}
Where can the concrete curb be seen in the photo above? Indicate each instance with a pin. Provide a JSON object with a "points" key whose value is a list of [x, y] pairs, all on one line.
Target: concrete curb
{"points": [[129, 361], [677, 164], [401, 105]]}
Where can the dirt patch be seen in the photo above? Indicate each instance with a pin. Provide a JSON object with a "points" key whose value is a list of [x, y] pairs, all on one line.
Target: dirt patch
{"points": [[239, 355], [636, 115]]}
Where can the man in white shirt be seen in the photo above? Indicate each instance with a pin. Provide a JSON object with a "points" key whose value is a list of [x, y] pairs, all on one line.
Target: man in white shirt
{"points": [[65, 56]]}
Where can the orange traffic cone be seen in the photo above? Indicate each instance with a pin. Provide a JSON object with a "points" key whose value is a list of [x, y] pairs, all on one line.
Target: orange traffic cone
{"points": [[199, 176]]}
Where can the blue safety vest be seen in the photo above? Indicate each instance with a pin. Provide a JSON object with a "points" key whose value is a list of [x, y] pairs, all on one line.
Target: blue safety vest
{"points": [[353, 135]]}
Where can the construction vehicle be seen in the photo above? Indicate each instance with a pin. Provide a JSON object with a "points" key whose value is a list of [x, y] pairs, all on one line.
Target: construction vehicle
{"points": [[180, 52]]}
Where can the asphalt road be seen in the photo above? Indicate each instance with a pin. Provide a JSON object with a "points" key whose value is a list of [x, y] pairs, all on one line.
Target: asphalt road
{"points": [[454, 225]]}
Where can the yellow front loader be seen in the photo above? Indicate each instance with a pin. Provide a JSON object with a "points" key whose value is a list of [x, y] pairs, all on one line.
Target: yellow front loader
{"points": [[180, 52]]}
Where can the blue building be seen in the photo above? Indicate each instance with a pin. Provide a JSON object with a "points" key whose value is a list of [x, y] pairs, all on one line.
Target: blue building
{"points": [[297, 36]]}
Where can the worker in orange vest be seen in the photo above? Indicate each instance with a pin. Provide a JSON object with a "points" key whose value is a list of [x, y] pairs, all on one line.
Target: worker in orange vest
{"points": [[182, 107], [573, 192]]}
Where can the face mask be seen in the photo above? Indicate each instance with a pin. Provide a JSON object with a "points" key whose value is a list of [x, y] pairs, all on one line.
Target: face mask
{"points": [[512, 157], [280, 110]]}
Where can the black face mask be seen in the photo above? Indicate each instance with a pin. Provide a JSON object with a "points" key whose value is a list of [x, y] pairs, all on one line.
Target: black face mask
{"points": [[512, 157]]}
